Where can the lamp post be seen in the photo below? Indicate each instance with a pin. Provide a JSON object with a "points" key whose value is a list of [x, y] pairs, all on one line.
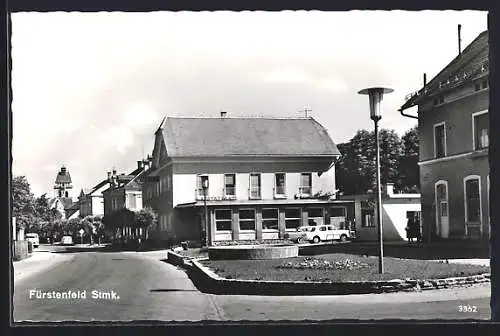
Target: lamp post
{"points": [[375, 95], [204, 185]]}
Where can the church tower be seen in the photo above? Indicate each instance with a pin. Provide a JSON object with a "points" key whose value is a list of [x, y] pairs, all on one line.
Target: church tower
{"points": [[62, 184]]}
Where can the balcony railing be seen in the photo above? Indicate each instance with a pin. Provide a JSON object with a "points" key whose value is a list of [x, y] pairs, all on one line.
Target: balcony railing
{"points": [[254, 193], [199, 193], [229, 192], [279, 192], [305, 190]]}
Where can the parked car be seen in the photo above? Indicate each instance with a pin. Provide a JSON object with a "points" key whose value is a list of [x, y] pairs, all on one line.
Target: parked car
{"points": [[33, 238], [319, 233], [67, 240]]}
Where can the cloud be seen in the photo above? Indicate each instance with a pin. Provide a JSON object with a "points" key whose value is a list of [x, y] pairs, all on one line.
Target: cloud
{"points": [[119, 138], [140, 115], [287, 75]]}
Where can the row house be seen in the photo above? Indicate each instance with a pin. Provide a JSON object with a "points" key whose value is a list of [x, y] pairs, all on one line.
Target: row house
{"points": [[453, 127], [92, 201], [257, 178], [125, 190]]}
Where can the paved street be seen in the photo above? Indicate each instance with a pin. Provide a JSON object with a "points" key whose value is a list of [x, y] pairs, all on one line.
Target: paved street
{"points": [[149, 289]]}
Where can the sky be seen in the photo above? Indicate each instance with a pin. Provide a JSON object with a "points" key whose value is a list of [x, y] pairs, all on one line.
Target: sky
{"points": [[90, 89]]}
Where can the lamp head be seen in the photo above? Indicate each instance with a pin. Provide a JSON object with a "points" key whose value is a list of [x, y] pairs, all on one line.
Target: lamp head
{"points": [[204, 184], [375, 94]]}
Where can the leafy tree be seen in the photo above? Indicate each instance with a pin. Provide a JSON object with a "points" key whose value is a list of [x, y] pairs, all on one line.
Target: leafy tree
{"points": [[23, 204], [146, 219], [356, 168], [408, 162]]}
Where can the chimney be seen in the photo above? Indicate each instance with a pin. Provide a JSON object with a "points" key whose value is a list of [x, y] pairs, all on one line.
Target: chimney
{"points": [[389, 189], [425, 79], [114, 171], [223, 114], [459, 40], [109, 176], [140, 164]]}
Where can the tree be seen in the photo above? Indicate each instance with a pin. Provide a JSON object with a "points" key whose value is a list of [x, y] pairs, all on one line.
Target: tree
{"points": [[23, 207], [356, 169], [146, 219], [408, 163]]}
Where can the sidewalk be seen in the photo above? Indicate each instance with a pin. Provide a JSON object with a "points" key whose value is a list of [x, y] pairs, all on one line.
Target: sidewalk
{"points": [[36, 263]]}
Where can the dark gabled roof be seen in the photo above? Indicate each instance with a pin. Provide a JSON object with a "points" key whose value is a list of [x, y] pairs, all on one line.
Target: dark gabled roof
{"points": [[63, 176], [99, 185], [470, 64], [188, 137]]}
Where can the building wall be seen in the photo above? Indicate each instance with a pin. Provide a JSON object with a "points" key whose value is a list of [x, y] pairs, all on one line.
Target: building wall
{"points": [[394, 218], [137, 194], [187, 222], [454, 172], [184, 185], [97, 205], [457, 116]]}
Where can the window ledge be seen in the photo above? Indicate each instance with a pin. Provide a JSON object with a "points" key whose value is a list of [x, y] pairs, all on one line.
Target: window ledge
{"points": [[479, 153], [270, 230], [277, 196]]}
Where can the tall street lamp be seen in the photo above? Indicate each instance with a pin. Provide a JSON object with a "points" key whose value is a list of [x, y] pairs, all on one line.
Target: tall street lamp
{"points": [[204, 185], [375, 95]]}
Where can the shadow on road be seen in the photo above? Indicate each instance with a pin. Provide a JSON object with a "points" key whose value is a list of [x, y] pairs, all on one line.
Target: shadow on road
{"points": [[173, 290]]}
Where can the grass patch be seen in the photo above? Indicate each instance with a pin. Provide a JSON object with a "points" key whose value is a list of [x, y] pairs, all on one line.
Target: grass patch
{"points": [[337, 268], [194, 253]]}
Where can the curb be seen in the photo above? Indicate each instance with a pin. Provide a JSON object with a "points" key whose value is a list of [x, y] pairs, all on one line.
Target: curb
{"points": [[210, 282]]}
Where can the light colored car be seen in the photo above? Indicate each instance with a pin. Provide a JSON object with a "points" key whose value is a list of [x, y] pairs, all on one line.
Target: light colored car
{"points": [[33, 238], [319, 233], [67, 240]]}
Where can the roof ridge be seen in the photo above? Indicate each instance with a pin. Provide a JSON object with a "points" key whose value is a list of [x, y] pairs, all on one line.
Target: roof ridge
{"points": [[458, 57], [242, 117]]}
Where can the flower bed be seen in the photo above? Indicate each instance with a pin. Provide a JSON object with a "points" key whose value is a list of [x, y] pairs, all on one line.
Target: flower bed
{"points": [[339, 268]]}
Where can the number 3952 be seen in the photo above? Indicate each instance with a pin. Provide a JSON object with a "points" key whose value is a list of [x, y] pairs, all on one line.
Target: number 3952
{"points": [[467, 309]]}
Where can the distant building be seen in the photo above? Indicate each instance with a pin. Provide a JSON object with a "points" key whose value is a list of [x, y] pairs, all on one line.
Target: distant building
{"points": [[396, 209], [265, 177], [91, 202], [125, 192], [62, 200], [453, 127]]}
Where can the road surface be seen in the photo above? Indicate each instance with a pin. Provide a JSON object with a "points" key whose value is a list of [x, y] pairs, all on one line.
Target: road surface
{"points": [[138, 286]]}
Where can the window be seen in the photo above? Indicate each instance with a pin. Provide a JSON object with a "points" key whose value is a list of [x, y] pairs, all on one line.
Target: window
{"points": [[338, 217], [477, 86], [305, 183], [247, 219], [223, 220], [131, 201], [485, 84], [472, 199], [279, 184], [293, 218], [481, 130], [439, 140], [254, 192], [367, 218], [441, 99], [229, 184], [161, 184], [201, 180], [315, 216], [270, 219]]}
